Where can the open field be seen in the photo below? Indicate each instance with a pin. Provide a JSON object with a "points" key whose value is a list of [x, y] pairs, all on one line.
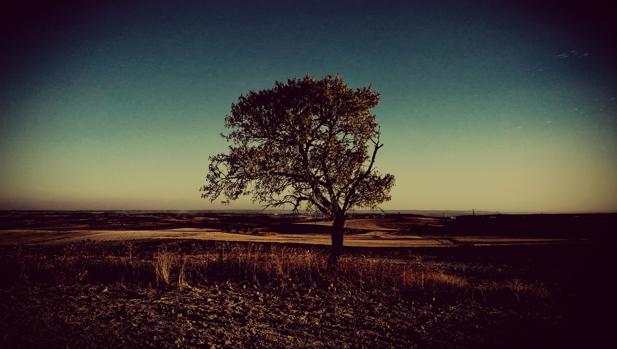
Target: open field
{"points": [[170, 283], [380, 231], [370, 238]]}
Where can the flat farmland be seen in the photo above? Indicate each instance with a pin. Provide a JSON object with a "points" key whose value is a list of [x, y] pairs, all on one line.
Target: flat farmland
{"points": [[168, 280], [394, 231]]}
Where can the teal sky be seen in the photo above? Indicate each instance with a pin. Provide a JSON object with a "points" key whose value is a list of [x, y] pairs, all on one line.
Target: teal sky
{"points": [[494, 107]]}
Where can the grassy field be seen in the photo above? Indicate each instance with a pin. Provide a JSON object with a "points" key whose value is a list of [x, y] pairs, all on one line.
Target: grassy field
{"points": [[202, 293]]}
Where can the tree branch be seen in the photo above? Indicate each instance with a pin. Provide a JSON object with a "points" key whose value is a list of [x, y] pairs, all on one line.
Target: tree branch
{"points": [[352, 191]]}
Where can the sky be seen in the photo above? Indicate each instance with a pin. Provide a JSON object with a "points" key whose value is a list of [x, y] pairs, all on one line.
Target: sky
{"points": [[504, 106]]}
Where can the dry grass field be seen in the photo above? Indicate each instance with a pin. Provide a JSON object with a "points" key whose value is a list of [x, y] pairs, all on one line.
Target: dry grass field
{"points": [[113, 287]]}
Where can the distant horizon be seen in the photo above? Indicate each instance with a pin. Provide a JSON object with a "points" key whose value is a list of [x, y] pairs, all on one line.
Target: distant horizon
{"points": [[351, 212]]}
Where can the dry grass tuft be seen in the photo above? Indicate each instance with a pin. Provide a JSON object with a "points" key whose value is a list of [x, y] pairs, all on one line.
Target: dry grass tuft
{"points": [[163, 263]]}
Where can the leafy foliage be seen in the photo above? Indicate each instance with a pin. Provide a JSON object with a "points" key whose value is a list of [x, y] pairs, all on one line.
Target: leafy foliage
{"points": [[304, 142]]}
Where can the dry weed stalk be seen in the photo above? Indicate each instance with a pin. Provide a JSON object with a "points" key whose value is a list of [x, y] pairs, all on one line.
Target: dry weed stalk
{"points": [[163, 263]]}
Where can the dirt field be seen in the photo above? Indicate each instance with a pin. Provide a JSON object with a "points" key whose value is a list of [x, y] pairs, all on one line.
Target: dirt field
{"points": [[370, 238], [169, 280], [367, 232]]}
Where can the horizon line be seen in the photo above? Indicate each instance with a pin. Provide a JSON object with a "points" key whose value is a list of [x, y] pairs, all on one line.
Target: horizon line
{"points": [[389, 211]]}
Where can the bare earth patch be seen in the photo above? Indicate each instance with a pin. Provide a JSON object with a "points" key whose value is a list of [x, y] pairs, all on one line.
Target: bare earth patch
{"points": [[370, 238], [239, 315]]}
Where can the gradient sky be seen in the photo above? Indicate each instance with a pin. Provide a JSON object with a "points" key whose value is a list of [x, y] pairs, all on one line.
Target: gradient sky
{"points": [[497, 107]]}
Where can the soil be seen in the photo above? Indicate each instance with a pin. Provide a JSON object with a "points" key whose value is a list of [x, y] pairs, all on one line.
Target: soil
{"points": [[238, 315]]}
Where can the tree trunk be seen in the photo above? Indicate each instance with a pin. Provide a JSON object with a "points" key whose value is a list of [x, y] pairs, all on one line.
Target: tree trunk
{"points": [[338, 231]]}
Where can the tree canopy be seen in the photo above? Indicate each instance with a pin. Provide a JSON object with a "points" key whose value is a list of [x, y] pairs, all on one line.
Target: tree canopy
{"points": [[304, 142]]}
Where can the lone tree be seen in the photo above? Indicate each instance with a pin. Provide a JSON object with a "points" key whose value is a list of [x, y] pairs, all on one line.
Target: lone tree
{"points": [[305, 142]]}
